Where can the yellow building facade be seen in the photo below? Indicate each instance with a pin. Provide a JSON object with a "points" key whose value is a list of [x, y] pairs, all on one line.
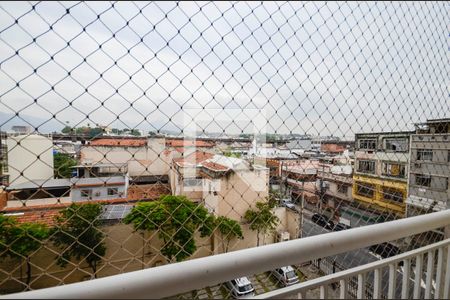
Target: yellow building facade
{"points": [[385, 194], [381, 167]]}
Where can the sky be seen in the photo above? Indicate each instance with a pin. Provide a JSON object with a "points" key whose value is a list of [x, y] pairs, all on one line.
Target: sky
{"points": [[285, 67]]}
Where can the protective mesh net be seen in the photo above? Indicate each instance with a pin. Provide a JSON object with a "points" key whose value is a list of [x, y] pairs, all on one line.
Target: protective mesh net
{"points": [[139, 134]]}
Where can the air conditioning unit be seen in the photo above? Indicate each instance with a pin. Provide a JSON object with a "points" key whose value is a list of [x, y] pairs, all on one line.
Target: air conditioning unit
{"points": [[283, 236]]}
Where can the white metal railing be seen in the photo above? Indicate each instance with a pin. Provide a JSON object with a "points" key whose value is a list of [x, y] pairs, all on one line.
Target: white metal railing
{"points": [[440, 291], [177, 278]]}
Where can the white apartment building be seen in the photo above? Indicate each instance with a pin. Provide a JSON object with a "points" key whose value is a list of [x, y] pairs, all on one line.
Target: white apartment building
{"points": [[30, 157]]}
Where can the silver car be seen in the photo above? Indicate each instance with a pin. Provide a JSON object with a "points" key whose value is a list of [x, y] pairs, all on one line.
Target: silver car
{"points": [[286, 275], [241, 288]]}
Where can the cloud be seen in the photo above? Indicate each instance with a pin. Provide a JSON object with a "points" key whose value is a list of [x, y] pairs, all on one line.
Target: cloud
{"points": [[315, 68]]}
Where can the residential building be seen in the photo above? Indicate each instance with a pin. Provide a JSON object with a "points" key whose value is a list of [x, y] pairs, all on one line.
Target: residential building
{"points": [[299, 144], [227, 186], [335, 184], [236, 148], [99, 188], [429, 168], [99, 170], [89, 182], [381, 168], [30, 157], [275, 164], [65, 190], [4, 176], [39, 192], [148, 160], [336, 147], [184, 147], [67, 147], [299, 180], [99, 182], [316, 142]]}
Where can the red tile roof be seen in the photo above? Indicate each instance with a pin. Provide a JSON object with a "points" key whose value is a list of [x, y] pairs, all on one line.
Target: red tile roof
{"points": [[214, 166], [34, 207], [188, 143], [42, 216], [148, 191], [46, 213], [194, 158], [119, 142]]}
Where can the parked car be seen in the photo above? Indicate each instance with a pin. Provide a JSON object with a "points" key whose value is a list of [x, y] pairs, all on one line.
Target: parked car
{"points": [[341, 226], [240, 288], [288, 203], [385, 250], [286, 275], [323, 221]]}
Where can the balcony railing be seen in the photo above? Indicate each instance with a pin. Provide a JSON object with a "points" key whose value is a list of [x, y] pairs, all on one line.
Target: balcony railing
{"points": [[173, 279], [335, 177]]}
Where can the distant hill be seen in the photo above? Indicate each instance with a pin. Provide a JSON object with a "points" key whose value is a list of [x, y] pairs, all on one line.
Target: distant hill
{"points": [[43, 125]]}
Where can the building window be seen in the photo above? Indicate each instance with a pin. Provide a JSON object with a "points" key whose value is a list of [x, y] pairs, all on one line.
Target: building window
{"points": [[423, 180], [86, 193], [342, 188], [113, 191], [394, 170], [192, 181], [366, 166], [368, 144], [365, 189], [424, 154], [396, 144], [394, 195], [448, 156]]}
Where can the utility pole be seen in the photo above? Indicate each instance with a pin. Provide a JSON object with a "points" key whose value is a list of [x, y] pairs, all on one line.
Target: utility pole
{"points": [[322, 189], [302, 208]]}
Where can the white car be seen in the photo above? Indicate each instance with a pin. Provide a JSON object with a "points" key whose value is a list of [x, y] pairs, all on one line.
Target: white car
{"points": [[286, 275], [287, 203], [241, 288]]}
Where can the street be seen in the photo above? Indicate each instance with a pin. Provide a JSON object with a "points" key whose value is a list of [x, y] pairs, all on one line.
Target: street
{"points": [[354, 258]]}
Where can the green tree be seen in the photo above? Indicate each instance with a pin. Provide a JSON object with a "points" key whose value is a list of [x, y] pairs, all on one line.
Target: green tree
{"points": [[67, 129], [232, 154], [261, 219], [274, 197], [135, 132], [21, 241], [176, 219], [229, 229], [62, 164], [246, 136], [78, 236], [95, 132]]}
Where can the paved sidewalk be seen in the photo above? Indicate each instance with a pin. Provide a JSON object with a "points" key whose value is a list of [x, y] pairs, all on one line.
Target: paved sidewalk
{"points": [[311, 272]]}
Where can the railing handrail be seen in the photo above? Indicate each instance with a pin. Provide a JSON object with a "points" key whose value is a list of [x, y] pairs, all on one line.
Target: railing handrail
{"points": [[177, 278], [327, 279]]}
